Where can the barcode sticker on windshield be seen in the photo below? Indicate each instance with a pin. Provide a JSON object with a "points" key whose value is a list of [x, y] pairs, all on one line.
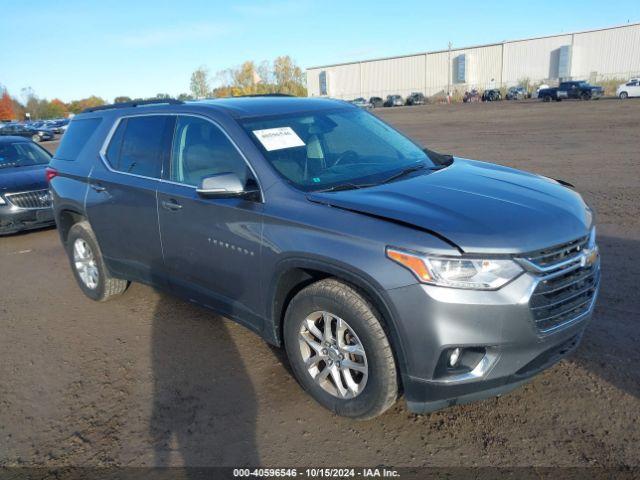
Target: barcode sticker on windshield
{"points": [[278, 138]]}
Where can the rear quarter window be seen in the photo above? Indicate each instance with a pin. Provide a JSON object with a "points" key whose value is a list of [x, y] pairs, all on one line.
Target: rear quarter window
{"points": [[139, 144], [76, 137]]}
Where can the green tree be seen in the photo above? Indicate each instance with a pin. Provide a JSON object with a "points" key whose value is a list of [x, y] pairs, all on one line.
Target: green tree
{"points": [[122, 99], [78, 106], [289, 77], [284, 76], [200, 83], [54, 109]]}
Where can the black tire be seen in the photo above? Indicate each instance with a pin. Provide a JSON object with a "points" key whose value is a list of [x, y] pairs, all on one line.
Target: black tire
{"points": [[546, 98], [623, 95], [585, 96], [342, 300], [107, 286]]}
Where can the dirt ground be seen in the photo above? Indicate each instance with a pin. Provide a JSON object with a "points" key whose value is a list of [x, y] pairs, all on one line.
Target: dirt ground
{"points": [[151, 380]]}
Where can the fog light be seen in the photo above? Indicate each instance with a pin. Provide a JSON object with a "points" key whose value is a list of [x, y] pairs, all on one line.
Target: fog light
{"points": [[454, 356]]}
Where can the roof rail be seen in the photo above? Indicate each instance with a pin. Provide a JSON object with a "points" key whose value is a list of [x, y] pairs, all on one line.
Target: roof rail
{"points": [[265, 95], [134, 103]]}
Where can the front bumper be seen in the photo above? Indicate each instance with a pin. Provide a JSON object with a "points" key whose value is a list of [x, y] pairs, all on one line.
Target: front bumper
{"points": [[434, 319], [13, 219]]}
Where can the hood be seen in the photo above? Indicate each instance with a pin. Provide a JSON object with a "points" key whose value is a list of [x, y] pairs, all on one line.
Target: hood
{"points": [[22, 179], [480, 207]]}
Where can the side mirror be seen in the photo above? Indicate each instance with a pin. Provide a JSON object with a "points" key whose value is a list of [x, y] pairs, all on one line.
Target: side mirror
{"points": [[222, 185]]}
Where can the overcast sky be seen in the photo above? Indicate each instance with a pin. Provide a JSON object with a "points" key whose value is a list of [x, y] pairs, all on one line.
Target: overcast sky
{"points": [[76, 48]]}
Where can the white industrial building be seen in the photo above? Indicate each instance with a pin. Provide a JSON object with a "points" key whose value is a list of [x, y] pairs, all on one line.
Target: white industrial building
{"points": [[589, 55]]}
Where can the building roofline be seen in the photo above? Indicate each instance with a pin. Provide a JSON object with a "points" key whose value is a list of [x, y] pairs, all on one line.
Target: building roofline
{"points": [[432, 52]]}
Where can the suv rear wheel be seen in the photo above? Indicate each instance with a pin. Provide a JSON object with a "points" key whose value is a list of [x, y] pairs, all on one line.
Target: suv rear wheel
{"points": [[339, 351], [88, 266]]}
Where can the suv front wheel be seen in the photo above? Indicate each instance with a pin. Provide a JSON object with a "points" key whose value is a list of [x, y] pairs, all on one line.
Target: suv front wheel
{"points": [[339, 351], [88, 265]]}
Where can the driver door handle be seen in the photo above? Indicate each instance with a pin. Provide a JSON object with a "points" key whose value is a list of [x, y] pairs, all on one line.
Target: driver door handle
{"points": [[171, 205], [98, 188]]}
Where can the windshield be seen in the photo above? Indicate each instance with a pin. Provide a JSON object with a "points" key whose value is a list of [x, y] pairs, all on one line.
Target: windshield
{"points": [[21, 154], [324, 149]]}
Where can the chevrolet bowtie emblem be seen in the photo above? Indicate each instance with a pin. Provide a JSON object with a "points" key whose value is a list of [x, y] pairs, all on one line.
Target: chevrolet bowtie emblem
{"points": [[589, 256]]}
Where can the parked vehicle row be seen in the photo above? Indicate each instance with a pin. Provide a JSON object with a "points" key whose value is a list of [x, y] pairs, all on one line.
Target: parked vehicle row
{"points": [[37, 134], [578, 90], [416, 98]]}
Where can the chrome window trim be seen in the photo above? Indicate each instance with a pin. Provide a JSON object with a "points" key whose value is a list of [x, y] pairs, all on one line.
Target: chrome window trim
{"points": [[105, 145]]}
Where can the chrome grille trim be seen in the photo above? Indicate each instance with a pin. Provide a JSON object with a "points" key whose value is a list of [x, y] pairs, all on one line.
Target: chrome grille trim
{"points": [[567, 285], [31, 200], [565, 299], [556, 257]]}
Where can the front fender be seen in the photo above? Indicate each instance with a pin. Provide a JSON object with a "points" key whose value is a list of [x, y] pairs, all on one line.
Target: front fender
{"points": [[366, 284]]}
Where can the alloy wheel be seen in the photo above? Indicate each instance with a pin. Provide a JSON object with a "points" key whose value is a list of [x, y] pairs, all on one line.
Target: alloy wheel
{"points": [[333, 355], [85, 263]]}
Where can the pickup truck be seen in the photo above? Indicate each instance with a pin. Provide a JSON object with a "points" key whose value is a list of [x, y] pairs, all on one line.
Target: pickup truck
{"points": [[576, 90]]}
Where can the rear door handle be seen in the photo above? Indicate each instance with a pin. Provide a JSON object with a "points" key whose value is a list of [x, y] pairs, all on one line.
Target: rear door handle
{"points": [[171, 205], [98, 188]]}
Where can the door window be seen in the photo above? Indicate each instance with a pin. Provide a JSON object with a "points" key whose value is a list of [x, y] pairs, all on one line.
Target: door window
{"points": [[138, 145], [201, 149]]}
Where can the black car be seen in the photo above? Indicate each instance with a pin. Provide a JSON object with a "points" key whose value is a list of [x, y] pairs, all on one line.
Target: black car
{"points": [[571, 90], [376, 102], [491, 95], [56, 126], [394, 101], [517, 93], [25, 202], [37, 134], [416, 98]]}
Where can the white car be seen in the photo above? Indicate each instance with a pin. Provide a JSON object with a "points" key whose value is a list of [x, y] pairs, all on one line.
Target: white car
{"points": [[629, 89], [542, 86]]}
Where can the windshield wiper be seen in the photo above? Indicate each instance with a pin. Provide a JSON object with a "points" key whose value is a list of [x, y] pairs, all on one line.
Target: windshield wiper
{"points": [[404, 172], [343, 186]]}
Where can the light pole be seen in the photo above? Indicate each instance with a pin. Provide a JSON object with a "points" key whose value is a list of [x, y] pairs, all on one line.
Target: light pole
{"points": [[449, 75]]}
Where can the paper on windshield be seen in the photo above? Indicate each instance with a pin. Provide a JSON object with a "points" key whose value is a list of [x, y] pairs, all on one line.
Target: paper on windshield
{"points": [[278, 138]]}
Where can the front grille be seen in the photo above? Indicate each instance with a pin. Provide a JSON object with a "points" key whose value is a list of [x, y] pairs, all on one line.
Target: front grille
{"points": [[567, 292], [31, 200], [557, 254]]}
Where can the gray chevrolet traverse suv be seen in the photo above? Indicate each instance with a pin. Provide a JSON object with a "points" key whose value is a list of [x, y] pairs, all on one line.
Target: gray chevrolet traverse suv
{"points": [[381, 267]]}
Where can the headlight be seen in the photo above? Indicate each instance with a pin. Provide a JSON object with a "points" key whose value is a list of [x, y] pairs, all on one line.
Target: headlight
{"points": [[475, 273]]}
